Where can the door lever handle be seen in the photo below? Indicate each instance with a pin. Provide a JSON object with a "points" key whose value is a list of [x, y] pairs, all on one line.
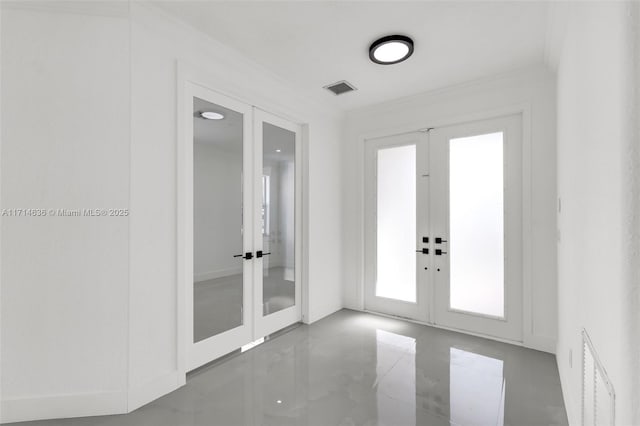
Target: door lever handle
{"points": [[259, 254], [248, 255], [440, 252], [423, 251], [440, 240]]}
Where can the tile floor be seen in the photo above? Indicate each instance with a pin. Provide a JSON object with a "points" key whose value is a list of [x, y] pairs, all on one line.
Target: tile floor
{"points": [[354, 368]]}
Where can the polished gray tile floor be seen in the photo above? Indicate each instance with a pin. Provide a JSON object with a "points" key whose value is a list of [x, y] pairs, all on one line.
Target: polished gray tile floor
{"points": [[354, 368]]}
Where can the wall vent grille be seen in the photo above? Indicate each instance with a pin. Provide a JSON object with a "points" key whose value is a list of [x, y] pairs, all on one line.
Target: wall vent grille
{"points": [[598, 396], [340, 87]]}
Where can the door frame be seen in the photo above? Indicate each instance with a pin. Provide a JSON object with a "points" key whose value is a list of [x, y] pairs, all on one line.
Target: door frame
{"points": [[187, 73], [529, 339]]}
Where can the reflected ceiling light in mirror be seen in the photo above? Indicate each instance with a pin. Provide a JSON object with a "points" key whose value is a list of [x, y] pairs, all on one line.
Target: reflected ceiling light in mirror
{"points": [[391, 49], [278, 150], [210, 115]]}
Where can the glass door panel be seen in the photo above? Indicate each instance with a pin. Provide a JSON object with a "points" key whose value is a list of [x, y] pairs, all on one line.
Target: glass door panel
{"points": [[396, 223], [476, 241]]}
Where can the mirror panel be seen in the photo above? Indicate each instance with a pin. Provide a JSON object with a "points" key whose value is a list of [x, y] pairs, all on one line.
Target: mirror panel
{"points": [[278, 218], [217, 222]]}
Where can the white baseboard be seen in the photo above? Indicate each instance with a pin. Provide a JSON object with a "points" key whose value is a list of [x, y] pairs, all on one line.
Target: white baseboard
{"points": [[63, 406], [204, 276], [90, 404], [153, 389]]}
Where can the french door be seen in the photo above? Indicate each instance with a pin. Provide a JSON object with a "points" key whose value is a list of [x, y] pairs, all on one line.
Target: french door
{"points": [[243, 222], [444, 226]]}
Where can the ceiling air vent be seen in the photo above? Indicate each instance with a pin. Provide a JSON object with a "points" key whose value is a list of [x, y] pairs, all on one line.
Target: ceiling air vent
{"points": [[340, 87]]}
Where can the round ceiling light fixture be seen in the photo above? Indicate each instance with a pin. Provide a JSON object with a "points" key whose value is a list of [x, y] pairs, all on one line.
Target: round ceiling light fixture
{"points": [[210, 115], [391, 49]]}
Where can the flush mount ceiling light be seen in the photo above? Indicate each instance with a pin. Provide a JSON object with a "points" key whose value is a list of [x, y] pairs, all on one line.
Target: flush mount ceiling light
{"points": [[210, 115], [391, 49]]}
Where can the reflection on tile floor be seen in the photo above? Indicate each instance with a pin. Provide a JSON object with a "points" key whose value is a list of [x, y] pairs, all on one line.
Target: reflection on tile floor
{"points": [[354, 368]]}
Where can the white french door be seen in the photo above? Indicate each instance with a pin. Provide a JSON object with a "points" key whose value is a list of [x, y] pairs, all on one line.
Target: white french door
{"points": [[444, 226], [242, 224]]}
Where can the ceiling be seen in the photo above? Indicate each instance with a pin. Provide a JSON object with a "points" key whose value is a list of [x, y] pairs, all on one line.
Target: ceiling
{"points": [[315, 43]]}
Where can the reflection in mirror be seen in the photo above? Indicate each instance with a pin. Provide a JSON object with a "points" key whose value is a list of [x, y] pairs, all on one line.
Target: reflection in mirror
{"points": [[278, 218], [217, 219]]}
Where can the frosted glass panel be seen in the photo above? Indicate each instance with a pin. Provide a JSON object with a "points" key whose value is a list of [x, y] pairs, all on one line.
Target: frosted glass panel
{"points": [[396, 223], [476, 209]]}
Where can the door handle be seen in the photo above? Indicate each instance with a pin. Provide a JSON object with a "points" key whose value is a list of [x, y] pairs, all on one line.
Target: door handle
{"points": [[440, 240], [259, 254], [247, 256], [423, 251], [440, 252]]}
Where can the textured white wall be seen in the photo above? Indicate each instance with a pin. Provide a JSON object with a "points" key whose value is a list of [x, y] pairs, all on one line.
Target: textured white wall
{"points": [[533, 88], [598, 185], [65, 106]]}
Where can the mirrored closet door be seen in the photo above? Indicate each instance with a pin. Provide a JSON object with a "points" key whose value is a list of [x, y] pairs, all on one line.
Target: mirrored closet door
{"points": [[243, 244]]}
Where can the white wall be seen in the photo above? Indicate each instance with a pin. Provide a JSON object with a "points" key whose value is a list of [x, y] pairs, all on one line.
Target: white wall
{"points": [[89, 306], [217, 210], [65, 146], [531, 89], [598, 185]]}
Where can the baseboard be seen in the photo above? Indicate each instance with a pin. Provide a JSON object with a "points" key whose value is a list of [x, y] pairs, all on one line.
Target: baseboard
{"points": [[63, 406], [216, 274], [152, 390]]}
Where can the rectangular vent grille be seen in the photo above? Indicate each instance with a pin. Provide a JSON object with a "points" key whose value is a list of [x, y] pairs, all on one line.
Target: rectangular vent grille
{"points": [[340, 87], [598, 396]]}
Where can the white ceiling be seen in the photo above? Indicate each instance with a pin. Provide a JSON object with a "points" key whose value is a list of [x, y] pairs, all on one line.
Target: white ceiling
{"points": [[314, 43]]}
